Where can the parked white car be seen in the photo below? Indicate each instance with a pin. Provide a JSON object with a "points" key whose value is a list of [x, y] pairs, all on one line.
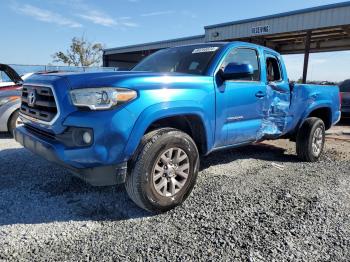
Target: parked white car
{"points": [[10, 102]]}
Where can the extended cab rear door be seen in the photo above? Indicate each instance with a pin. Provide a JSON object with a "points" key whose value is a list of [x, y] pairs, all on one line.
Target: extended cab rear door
{"points": [[278, 97]]}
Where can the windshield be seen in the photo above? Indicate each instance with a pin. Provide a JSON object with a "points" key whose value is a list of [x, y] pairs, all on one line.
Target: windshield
{"points": [[186, 59]]}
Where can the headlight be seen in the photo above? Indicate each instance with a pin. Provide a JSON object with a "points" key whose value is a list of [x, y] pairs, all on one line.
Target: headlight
{"points": [[101, 98], [4, 100]]}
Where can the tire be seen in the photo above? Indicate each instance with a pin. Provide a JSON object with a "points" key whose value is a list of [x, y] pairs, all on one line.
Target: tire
{"points": [[307, 143], [11, 125], [141, 181]]}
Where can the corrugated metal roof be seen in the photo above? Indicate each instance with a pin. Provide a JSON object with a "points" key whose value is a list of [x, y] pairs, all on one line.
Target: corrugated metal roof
{"points": [[158, 44], [301, 11]]}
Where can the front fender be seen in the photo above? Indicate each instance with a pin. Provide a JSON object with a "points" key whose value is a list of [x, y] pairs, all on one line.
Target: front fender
{"points": [[163, 110]]}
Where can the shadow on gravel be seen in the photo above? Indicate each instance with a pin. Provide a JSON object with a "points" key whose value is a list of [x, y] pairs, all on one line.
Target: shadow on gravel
{"points": [[34, 191], [254, 151]]}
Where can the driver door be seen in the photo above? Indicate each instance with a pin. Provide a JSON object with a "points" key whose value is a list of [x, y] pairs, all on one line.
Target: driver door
{"points": [[239, 102]]}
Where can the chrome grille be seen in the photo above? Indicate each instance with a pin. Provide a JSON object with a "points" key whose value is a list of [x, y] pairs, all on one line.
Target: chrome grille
{"points": [[38, 102]]}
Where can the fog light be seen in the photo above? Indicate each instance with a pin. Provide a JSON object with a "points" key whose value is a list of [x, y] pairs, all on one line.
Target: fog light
{"points": [[81, 136], [87, 138]]}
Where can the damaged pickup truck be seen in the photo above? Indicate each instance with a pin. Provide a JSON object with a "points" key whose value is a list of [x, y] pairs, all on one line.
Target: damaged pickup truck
{"points": [[147, 127]]}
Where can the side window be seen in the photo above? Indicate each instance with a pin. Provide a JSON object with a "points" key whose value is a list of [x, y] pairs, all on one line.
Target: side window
{"points": [[4, 77], [273, 70], [244, 56]]}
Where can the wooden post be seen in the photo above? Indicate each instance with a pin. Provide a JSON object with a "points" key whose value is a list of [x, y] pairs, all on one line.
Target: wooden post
{"points": [[306, 55]]}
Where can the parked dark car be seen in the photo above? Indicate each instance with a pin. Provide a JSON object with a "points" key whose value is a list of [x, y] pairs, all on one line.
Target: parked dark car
{"points": [[345, 92]]}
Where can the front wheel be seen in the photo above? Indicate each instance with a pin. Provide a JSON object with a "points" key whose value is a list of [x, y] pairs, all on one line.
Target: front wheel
{"points": [[163, 171], [311, 139]]}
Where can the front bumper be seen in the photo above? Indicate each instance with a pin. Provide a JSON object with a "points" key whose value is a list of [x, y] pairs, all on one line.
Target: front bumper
{"points": [[53, 151]]}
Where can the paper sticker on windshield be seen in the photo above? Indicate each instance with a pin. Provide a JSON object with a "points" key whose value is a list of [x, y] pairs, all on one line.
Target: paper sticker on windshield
{"points": [[205, 50]]}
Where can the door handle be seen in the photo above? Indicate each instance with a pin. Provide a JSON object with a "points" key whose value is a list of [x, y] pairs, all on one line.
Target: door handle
{"points": [[260, 94]]}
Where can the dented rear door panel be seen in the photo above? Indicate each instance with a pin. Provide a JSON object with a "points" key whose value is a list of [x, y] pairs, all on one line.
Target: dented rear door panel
{"points": [[275, 113]]}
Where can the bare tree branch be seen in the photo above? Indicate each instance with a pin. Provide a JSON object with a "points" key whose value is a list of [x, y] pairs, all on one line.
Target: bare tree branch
{"points": [[80, 53]]}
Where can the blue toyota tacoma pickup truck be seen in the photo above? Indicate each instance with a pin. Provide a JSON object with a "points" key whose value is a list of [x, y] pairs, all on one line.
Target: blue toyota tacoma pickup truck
{"points": [[147, 127]]}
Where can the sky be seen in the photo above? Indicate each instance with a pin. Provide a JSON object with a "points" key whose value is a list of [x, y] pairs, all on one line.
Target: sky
{"points": [[32, 31]]}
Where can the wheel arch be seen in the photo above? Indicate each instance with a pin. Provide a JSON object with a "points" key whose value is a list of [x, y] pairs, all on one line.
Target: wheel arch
{"points": [[322, 111], [6, 116], [187, 118], [190, 124], [10, 117]]}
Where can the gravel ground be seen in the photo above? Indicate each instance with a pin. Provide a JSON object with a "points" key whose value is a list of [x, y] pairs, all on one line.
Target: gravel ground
{"points": [[244, 208]]}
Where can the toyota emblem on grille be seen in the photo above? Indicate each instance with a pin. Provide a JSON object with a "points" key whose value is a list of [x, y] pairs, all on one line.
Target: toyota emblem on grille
{"points": [[31, 98]]}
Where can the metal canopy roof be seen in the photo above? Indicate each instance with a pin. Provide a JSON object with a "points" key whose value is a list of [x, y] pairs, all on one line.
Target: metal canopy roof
{"points": [[329, 26], [285, 32], [296, 12]]}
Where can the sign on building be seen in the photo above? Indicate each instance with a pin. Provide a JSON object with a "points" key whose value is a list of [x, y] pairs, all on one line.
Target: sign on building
{"points": [[260, 30]]}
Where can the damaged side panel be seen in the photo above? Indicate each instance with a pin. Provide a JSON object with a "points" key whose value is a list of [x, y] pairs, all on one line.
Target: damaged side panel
{"points": [[265, 106], [275, 111], [283, 112], [274, 114]]}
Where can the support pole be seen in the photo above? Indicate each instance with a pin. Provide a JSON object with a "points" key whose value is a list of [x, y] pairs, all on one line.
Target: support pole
{"points": [[306, 55], [104, 60]]}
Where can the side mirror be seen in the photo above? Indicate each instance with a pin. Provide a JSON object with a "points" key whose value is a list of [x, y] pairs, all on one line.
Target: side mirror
{"points": [[237, 71]]}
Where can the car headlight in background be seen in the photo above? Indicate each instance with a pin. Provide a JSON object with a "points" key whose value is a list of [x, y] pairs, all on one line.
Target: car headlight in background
{"points": [[101, 98], [7, 99]]}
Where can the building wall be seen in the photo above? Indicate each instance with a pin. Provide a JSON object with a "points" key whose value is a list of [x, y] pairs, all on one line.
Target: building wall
{"points": [[292, 23]]}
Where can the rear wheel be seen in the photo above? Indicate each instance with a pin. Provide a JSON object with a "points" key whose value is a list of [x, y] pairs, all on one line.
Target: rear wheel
{"points": [[14, 122], [163, 171], [311, 139]]}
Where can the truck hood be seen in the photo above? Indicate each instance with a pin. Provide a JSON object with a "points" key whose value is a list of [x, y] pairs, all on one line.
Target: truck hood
{"points": [[127, 79]]}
